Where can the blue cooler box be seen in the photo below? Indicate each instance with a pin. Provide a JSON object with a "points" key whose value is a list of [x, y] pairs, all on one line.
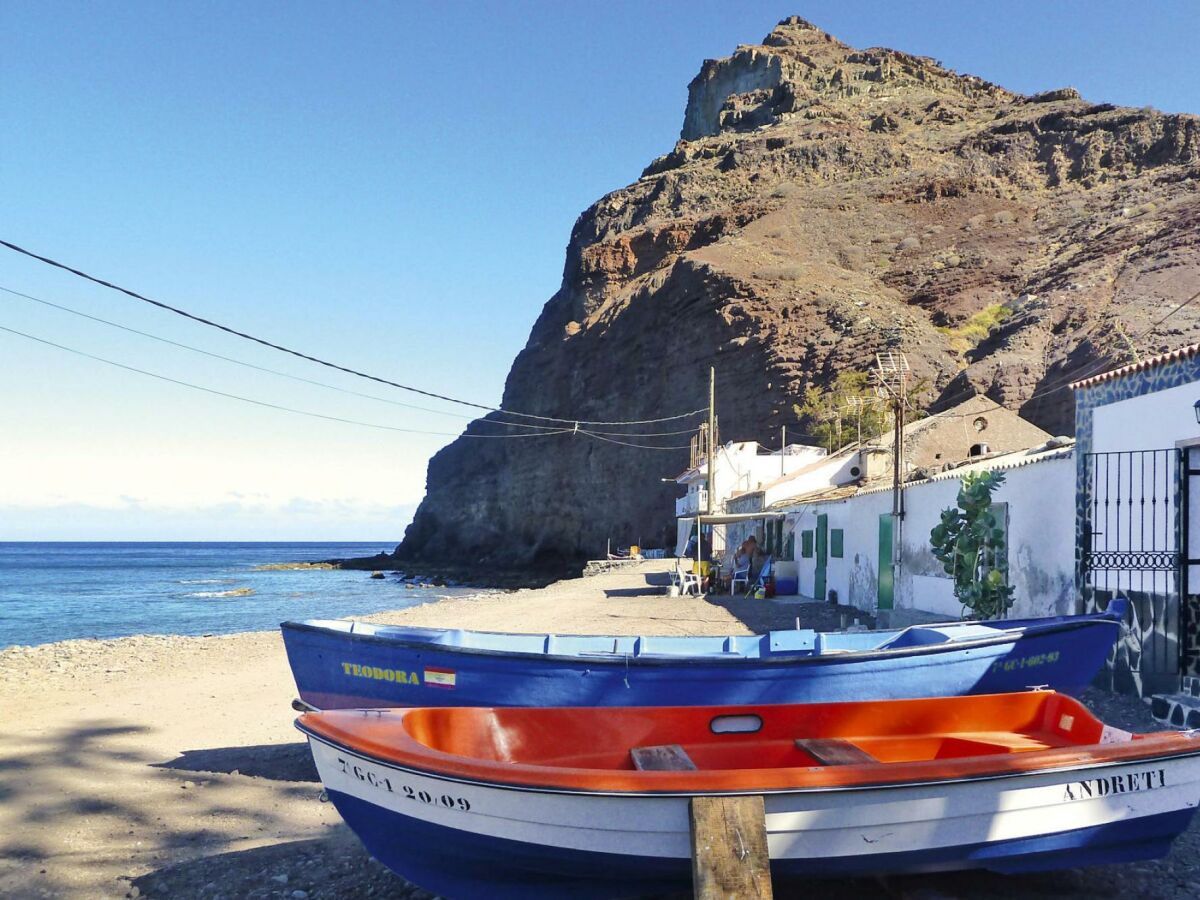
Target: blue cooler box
{"points": [[787, 586]]}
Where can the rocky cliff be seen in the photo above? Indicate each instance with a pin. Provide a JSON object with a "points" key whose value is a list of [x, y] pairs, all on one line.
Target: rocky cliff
{"points": [[824, 203]]}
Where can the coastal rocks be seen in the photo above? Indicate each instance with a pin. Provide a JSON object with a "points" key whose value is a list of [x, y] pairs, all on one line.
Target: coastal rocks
{"points": [[293, 566], [604, 566], [823, 203]]}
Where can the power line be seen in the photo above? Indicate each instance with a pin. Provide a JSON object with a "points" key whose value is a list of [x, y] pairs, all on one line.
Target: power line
{"points": [[599, 436], [320, 384], [314, 359], [249, 365], [263, 403], [638, 434]]}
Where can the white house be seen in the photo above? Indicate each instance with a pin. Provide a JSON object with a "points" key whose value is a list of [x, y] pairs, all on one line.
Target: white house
{"points": [[850, 547], [739, 467], [978, 427], [860, 478]]}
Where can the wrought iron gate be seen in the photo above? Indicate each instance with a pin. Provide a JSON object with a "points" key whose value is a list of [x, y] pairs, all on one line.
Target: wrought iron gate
{"points": [[1131, 539]]}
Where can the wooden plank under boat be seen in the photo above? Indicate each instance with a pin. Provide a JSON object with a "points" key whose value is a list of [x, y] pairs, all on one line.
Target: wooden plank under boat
{"points": [[342, 664], [522, 802]]}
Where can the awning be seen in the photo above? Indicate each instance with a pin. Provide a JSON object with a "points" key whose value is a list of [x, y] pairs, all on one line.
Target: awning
{"points": [[728, 518]]}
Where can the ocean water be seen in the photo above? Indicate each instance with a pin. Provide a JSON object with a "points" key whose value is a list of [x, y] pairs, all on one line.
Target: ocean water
{"points": [[54, 591]]}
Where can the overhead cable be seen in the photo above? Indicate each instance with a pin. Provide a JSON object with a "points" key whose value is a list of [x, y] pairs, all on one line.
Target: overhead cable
{"points": [[314, 359], [634, 434], [320, 384], [249, 365], [600, 437], [263, 403]]}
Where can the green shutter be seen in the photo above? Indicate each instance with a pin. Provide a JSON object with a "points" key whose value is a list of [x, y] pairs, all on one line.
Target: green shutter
{"points": [[835, 543], [822, 551], [806, 544], [887, 575]]}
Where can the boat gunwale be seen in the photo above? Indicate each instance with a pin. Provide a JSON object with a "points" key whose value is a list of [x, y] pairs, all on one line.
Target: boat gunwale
{"points": [[783, 658], [1164, 737]]}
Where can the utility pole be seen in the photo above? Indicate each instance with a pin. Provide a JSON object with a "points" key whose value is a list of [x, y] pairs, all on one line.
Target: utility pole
{"points": [[782, 447], [891, 372], [712, 436]]}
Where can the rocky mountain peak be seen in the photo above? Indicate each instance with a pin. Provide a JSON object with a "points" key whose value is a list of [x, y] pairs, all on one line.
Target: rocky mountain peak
{"points": [[823, 204], [798, 66], [795, 32]]}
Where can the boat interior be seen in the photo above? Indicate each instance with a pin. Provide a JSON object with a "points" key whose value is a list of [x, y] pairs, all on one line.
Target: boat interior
{"points": [[712, 739], [789, 642]]}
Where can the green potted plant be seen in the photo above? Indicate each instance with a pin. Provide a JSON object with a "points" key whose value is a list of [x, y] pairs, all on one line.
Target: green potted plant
{"points": [[970, 545]]}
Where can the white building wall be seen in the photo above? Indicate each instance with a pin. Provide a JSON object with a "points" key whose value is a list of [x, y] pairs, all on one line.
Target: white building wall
{"points": [[741, 468], [1156, 421], [763, 469], [835, 471], [1041, 544], [1150, 422]]}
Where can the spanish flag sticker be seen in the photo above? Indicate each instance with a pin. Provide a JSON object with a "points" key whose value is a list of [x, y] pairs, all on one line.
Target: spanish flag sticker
{"points": [[443, 678]]}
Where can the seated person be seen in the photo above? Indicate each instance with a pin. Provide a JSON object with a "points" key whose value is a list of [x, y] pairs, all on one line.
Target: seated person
{"points": [[745, 553], [757, 561]]}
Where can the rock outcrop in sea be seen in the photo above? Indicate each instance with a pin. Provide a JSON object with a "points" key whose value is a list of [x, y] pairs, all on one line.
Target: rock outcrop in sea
{"points": [[822, 204]]}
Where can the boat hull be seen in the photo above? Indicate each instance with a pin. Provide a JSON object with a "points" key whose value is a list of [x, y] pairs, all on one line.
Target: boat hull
{"points": [[343, 670], [467, 839]]}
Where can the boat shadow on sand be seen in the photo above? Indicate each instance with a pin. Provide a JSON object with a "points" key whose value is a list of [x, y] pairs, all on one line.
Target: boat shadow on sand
{"points": [[279, 762]]}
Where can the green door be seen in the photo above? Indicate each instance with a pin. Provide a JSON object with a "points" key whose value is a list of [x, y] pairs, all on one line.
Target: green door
{"points": [[887, 576], [822, 556]]}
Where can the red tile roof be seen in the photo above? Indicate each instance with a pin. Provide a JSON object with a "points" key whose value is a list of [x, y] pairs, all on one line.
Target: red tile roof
{"points": [[1148, 363]]}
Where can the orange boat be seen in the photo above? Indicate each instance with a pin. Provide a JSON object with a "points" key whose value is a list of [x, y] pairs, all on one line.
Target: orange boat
{"points": [[507, 802]]}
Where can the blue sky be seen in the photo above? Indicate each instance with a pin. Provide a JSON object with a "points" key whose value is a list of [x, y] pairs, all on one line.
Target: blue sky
{"points": [[388, 185]]}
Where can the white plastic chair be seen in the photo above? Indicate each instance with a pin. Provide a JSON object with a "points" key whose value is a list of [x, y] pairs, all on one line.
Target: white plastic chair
{"points": [[742, 575], [688, 581]]}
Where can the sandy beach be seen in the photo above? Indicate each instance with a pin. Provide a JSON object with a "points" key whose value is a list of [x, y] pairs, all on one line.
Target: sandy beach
{"points": [[168, 766]]}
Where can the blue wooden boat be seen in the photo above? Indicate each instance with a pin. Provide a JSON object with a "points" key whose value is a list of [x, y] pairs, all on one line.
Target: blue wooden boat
{"points": [[341, 664]]}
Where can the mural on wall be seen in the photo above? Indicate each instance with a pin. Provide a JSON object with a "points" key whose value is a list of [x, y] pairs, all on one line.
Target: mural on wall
{"points": [[1034, 581], [863, 583], [919, 560], [1144, 636], [1191, 636]]}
